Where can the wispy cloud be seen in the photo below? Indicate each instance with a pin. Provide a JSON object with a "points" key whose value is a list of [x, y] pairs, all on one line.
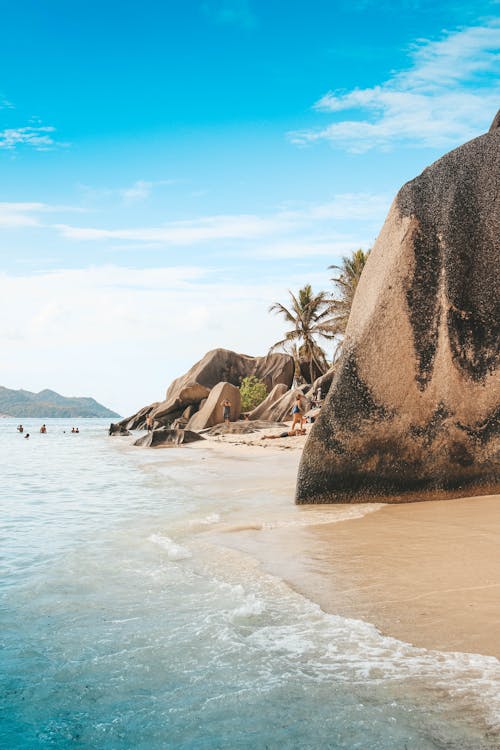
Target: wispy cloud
{"points": [[25, 214], [142, 189], [139, 191], [35, 135], [38, 137], [233, 12], [363, 207], [448, 95], [184, 232]]}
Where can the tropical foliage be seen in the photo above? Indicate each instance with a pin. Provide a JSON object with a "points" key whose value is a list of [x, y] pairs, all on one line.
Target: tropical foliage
{"points": [[345, 285], [252, 391], [309, 317]]}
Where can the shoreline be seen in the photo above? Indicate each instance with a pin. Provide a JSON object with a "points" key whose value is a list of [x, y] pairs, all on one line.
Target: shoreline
{"points": [[426, 573]]}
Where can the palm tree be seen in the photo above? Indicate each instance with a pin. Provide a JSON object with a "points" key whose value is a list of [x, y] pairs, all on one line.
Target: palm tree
{"points": [[346, 284], [309, 315]]}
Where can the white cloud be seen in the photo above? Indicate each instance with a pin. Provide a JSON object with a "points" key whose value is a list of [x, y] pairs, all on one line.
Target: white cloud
{"points": [[24, 214], [332, 247], [184, 232], [449, 95], [362, 207], [38, 137], [140, 190]]}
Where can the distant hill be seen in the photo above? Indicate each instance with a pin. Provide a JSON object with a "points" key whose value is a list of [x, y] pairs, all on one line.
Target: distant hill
{"points": [[49, 404]]}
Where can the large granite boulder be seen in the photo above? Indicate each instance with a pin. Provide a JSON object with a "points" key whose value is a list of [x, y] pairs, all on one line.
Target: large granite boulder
{"points": [[413, 410], [167, 438], [263, 410], [212, 412], [222, 365]]}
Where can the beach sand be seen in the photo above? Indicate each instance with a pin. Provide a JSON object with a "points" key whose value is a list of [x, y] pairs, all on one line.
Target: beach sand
{"points": [[426, 573]]}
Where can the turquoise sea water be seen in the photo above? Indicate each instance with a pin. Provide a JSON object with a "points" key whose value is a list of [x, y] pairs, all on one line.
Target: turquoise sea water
{"points": [[124, 626]]}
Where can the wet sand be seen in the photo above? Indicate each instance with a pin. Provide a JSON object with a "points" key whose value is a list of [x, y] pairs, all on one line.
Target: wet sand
{"points": [[426, 573]]}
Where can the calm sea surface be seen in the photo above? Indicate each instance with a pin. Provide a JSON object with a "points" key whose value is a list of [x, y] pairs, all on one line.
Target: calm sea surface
{"points": [[123, 626]]}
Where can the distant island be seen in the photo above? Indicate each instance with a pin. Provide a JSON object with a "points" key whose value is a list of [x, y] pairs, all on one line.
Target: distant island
{"points": [[49, 404]]}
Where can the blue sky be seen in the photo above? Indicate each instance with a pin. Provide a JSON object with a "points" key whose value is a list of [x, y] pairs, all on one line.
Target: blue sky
{"points": [[168, 170]]}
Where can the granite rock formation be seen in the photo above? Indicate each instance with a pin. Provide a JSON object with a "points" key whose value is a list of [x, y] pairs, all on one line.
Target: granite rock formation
{"points": [[212, 412], [222, 365], [187, 395], [413, 410]]}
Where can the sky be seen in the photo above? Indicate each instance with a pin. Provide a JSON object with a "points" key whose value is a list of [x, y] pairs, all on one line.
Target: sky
{"points": [[169, 170]]}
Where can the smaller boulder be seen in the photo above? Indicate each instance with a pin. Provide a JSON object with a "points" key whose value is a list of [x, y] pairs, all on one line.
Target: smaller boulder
{"points": [[167, 438], [322, 385], [138, 420], [243, 427], [118, 429], [281, 410], [190, 394], [212, 412], [263, 410]]}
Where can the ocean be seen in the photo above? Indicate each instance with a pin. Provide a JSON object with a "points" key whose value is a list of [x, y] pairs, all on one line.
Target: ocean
{"points": [[127, 625]]}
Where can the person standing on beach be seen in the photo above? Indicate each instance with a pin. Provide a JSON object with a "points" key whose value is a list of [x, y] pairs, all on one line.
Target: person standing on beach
{"points": [[226, 405], [297, 413], [149, 422], [43, 429]]}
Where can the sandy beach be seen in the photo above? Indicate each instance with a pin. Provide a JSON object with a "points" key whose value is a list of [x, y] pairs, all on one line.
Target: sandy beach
{"points": [[427, 573]]}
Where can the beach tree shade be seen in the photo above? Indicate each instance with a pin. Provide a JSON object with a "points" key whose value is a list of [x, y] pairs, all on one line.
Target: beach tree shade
{"points": [[252, 391], [309, 318], [345, 285]]}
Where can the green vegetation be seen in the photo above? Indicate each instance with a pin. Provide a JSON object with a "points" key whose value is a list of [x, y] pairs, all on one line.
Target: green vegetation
{"points": [[320, 316], [48, 404], [309, 316], [253, 391], [346, 284]]}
